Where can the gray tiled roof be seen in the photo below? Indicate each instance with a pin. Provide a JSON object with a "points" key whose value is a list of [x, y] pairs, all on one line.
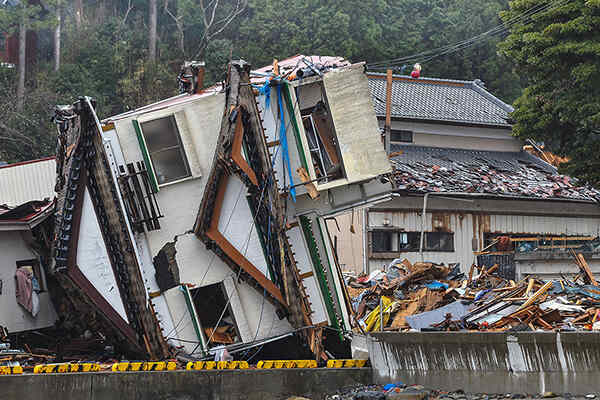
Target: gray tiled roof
{"points": [[439, 100], [514, 174]]}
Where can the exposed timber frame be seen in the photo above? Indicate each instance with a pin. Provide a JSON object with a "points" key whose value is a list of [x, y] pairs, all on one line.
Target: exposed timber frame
{"points": [[242, 151], [82, 164]]}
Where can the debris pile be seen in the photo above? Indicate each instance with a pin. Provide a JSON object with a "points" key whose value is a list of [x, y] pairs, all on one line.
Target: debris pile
{"points": [[431, 297]]}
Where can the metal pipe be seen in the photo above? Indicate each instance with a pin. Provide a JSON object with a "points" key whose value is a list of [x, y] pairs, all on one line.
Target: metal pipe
{"points": [[381, 314], [423, 225], [365, 240]]}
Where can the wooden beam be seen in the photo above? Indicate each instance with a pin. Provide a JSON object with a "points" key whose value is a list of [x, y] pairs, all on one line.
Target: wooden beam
{"points": [[388, 109], [310, 187], [586, 269], [537, 294]]}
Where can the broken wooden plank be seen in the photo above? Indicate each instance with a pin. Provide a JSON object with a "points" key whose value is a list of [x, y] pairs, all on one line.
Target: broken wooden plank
{"points": [[538, 294], [310, 187], [586, 269]]}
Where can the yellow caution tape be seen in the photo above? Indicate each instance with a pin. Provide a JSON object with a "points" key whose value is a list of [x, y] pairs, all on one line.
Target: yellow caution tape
{"points": [[66, 367], [210, 365], [16, 370], [268, 364], [203, 365], [88, 367], [349, 363], [144, 366]]}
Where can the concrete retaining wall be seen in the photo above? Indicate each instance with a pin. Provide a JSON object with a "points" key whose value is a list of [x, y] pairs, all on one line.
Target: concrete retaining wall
{"points": [[183, 385], [525, 362]]}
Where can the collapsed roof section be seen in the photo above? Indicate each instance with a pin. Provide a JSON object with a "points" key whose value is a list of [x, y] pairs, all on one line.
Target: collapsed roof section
{"points": [[289, 151], [93, 253], [507, 174], [26, 215]]}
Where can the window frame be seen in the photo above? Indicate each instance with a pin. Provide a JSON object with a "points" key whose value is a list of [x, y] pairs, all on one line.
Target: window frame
{"points": [[395, 250], [38, 271], [147, 154], [321, 183], [401, 131], [221, 287]]}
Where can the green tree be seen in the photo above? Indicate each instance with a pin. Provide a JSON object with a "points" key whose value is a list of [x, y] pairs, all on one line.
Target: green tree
{"points": [[558, 50]]}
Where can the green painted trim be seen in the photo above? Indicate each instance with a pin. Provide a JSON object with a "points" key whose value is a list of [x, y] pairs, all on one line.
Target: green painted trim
{"points": [[314, 255], [146, 155], [332, 276], [260, 238], [192, 310], [292, 116]]}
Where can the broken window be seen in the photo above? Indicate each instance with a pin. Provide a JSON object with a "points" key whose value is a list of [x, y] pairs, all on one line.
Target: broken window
{"points": [[409, 241], [381, 241], [396, 241], [529, 242], [439, 241], [397, 135], [320, 133], [215, 315], [35, 268], [165, 149]]}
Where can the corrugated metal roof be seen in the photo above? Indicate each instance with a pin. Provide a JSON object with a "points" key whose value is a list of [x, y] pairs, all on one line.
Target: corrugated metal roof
{"points": [[439, 100], [27, 181]]}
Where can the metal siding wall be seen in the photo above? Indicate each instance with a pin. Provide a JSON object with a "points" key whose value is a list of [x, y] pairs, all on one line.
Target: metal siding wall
{"points": [[540, 225], [473, 226], [411, 221], [23, 183]]}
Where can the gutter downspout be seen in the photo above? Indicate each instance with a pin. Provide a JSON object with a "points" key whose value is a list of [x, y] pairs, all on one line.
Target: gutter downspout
{"points": [[365, 240], [423, 225]]}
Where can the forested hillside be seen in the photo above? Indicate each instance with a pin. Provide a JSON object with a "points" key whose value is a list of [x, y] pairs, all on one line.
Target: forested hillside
{"points": [[117, 52]]}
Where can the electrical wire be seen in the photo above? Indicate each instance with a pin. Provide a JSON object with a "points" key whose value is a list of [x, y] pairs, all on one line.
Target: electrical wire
{"points": [[500, 28], [473, 41], [214, 255], [278, 125]]}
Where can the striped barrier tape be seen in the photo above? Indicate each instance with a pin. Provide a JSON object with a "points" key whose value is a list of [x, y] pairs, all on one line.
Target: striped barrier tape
{"points": [[268, 364], [349, 363], [125, 366], [219, 365], [65, 367], [16, 370]]}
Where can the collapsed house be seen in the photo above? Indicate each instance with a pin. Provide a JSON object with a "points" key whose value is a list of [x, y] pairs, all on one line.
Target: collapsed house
{"points": [[198, 222], [466, 191], [26, 210]]}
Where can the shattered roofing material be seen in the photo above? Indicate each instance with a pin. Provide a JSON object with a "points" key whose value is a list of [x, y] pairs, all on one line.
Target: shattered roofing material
{"points": [[514, 174], [293, 64], [25, 212], [439, 100]]}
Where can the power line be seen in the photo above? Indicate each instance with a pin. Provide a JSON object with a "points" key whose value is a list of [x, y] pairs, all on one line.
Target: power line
{"points": [[499, 28], [473, 41]]}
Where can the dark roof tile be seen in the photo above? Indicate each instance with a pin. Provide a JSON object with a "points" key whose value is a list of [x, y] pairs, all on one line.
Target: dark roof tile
{"points": [[439, 100], [514, 174]]}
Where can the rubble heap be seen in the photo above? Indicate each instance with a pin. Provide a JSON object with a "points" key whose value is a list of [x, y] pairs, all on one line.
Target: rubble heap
{"points": [[431, 297]]}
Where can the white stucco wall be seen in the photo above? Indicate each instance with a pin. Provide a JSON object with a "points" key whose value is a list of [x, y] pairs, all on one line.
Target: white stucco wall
{"points": [[458, 137], [93, 260], [179, 203], [14, 317]]}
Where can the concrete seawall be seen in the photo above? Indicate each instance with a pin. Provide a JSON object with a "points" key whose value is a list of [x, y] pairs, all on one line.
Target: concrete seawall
{"points": [[520, 362], [183, 385]]}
